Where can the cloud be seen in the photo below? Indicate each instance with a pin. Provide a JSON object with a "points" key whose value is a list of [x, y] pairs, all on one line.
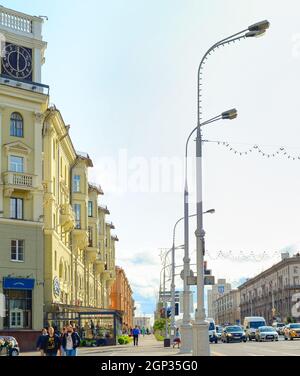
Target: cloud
{"points": [[142, 271]]}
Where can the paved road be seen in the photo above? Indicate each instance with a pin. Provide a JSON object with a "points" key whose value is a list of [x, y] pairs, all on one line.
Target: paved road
{"points": [[280, 348], [150, 347]]}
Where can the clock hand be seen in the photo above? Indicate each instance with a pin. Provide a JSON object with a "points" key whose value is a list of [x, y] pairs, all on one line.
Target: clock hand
{"points": [[18, 59]]}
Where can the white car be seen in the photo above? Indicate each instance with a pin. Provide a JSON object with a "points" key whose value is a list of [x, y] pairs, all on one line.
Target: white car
{"points": [[266, 333], [251, 323]]}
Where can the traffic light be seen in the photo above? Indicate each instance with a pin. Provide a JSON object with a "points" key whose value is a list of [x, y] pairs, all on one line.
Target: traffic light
{"points": [[169, 312], [176, 309]]}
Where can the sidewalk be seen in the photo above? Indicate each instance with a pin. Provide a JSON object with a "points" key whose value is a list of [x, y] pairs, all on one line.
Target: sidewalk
{"points": [[148, 346]]}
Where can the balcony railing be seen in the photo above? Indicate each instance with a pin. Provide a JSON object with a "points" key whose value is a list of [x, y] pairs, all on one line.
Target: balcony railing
{"points": [[16, 21], [18, 179]]}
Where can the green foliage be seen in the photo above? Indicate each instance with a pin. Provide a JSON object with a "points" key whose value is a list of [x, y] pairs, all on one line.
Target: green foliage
{"points": [[124, 340], [160, 325], [158, 336], [121, 341]]}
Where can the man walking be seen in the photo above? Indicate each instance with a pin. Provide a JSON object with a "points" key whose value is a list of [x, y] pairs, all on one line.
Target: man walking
{"points": [[40, 345], [51, 344], [136, 333], [70, 342]]}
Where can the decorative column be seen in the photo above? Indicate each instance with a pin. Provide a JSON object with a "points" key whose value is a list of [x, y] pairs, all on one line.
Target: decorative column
{"points": [[1, 169], [38, 167]]}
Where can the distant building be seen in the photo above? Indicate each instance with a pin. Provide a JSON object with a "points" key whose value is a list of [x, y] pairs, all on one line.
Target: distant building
{"points": [[142, 322], [228, 308], [218, 290], [121, 298], [273, 293]]}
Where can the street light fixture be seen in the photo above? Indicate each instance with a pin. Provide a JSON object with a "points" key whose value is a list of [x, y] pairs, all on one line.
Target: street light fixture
{"points": [[200, 326], [186, 327]]}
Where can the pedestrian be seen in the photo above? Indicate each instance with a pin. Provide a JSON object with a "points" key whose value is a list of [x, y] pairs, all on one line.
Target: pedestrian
{"points": [[177, 338], [40, 345], [143, 331], [136, 333], [70, 342], [147, 331], [51, 344], [61, 348]]}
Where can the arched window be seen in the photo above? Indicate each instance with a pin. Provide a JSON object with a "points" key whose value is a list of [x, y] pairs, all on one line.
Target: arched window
{"points": [[61, 270], [16, 125]]}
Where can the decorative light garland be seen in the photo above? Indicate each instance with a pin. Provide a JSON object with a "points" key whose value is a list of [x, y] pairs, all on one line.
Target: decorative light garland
{"points": [[243, 256], [282, 151]]}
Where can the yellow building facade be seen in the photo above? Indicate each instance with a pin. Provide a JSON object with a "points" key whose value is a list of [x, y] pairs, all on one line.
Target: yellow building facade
{"points": [[57, 252]]}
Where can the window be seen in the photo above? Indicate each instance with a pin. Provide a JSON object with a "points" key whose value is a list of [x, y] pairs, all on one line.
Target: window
{"points": [[90, 231], [90, 208], [16, 164], [76, 183], [16, 208], [18, 309], [16, 125], [17, 250], [77, 211]]}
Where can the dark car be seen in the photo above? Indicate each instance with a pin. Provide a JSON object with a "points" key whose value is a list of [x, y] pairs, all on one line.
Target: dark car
{"points": [[233, 333], [9, 346]]}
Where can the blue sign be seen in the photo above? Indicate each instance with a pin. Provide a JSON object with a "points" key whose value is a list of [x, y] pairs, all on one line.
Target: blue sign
{"points": [[18, 284], [221, 289]]}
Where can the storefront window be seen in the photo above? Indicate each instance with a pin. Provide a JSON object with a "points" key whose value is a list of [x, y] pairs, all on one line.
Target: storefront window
{"points": [[18, 309]]}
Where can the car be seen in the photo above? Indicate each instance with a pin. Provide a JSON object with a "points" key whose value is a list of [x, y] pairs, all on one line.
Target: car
{"points": [[265, 333], [9, 346], [252, 323], [279, 327], [212, 330], [219, 330], [292, 331], [233, 333]]}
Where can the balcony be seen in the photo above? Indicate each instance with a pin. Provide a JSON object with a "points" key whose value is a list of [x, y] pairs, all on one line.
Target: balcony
{"points": [[106, 273], [99, 264], [91, 254], [80, 238], [67, 217], [19, 180]]}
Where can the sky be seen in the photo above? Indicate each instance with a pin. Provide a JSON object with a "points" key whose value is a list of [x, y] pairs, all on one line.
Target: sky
{"points": [[124, 75]]}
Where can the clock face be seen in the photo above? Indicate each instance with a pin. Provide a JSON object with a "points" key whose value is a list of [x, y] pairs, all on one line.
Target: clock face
{"points": [[17, 62]]}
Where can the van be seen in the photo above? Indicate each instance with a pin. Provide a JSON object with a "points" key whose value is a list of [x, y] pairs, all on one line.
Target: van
{"points": [[251, 323], [212, 333]]}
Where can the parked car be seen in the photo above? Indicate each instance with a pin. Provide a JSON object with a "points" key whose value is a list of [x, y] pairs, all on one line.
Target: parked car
{"points": [[252, 323], [212, 331], [279, 327], [292, 331], [265, 333], [219, 330], [9, 346], [233, 333]]}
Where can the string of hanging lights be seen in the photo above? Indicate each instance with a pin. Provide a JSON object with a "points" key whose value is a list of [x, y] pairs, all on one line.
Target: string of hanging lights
{"points": [[281, 151]]}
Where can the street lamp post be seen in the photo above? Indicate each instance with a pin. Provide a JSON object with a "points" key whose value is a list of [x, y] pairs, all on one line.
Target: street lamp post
{"points": [[200, 326], [186, 327], [186, 287]]}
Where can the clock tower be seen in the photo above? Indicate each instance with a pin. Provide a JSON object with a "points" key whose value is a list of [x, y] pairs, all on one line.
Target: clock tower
{"points": [[22, 46]]}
